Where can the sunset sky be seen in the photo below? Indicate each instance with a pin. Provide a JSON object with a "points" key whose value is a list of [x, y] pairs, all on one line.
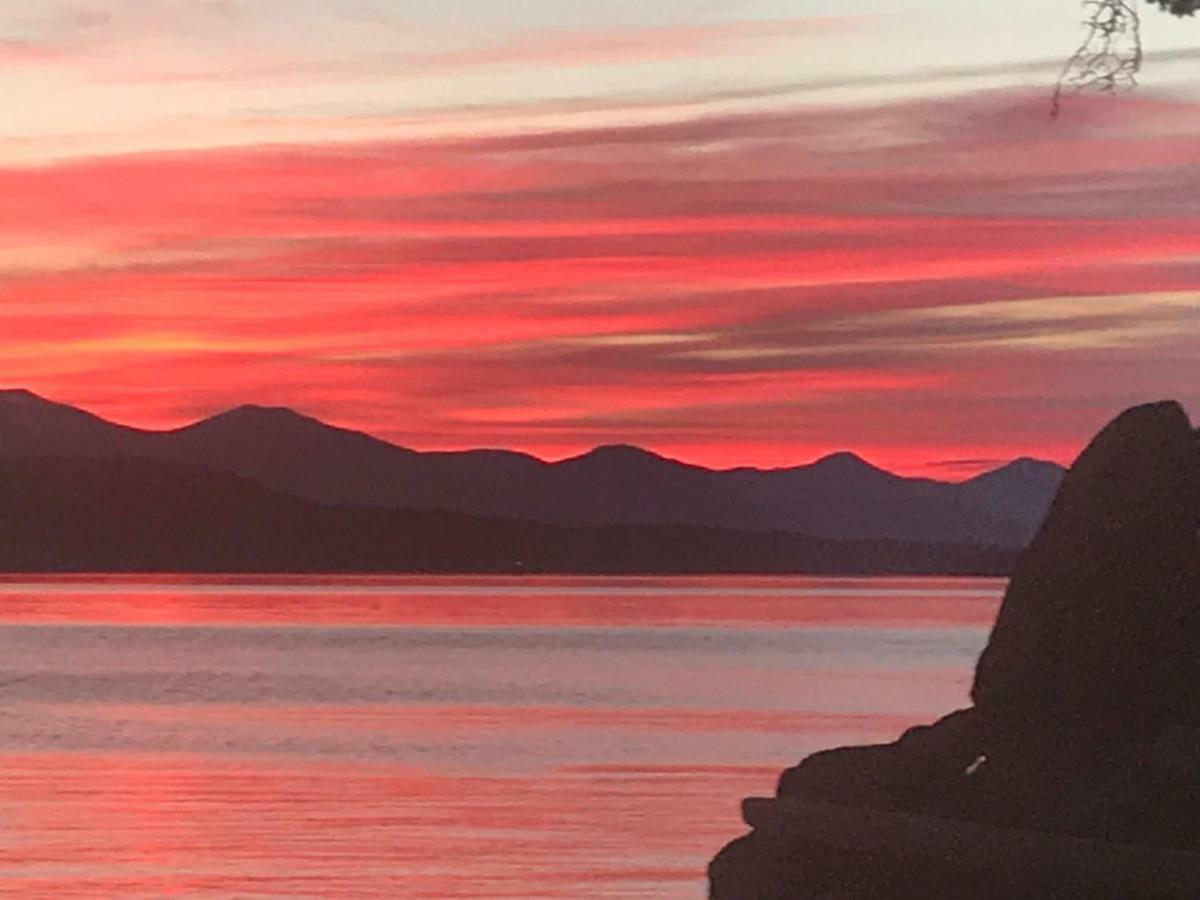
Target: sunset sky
{"points": [[736, 233]]}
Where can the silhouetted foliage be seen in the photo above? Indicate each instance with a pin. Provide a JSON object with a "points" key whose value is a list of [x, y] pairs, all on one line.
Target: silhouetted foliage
{"points": [[1110, 56], [1178, 7]]}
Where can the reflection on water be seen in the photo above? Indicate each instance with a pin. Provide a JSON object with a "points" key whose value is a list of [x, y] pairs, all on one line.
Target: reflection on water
{"points": [[374, 737]]}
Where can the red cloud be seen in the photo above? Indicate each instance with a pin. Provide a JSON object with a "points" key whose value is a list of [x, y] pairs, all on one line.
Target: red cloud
{"points": [[766, 276]]}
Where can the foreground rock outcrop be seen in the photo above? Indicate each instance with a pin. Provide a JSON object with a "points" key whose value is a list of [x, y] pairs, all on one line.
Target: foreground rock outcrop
{"points": [[1076, 771]]}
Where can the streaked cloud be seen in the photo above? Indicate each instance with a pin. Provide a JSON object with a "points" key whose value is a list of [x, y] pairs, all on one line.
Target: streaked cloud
{"points": [[723, 269]]}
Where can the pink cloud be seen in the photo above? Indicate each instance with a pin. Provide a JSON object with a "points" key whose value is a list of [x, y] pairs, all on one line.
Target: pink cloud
{"points": [[742, 288]]}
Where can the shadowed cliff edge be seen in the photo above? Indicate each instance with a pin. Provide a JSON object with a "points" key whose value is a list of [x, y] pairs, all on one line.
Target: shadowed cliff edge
{"points": [[1076, 771]]}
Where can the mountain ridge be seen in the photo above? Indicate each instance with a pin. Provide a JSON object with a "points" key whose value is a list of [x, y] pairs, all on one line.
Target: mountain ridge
{"points": [[265, 412], [839, 496], [135, 515]]}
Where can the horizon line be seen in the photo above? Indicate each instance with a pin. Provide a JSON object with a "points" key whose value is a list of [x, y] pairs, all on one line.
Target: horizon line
{"points": [[973, 468]]}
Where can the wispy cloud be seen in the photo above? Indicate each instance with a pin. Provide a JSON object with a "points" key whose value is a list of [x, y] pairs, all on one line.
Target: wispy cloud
{"points": [[949, 280]]}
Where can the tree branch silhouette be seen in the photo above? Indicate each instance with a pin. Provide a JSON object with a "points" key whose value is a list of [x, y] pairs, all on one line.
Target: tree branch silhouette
{"points": [[1110, 57]]}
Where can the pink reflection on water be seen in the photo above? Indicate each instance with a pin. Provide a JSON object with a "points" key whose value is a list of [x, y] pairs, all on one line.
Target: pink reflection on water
{"points": [[408, 720], [236, 783], [526, 601], [157, 825]]}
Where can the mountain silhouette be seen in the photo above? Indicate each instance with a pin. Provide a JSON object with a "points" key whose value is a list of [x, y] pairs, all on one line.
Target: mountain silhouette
{"points": [[840, 496], [33, 426], [136, 515]]}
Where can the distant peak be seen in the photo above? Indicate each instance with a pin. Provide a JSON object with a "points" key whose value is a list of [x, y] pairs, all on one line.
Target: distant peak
{"points": [[250, 420], [258, 408], [844, 463], [1031, 462], [27, 400], [255, 411], [1026, 465], [618, 453], [1026, 462], [620, 450], [20, 395], [846, 459], [250, 415]]}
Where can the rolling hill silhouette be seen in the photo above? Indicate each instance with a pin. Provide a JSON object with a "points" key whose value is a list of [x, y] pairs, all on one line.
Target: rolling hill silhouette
{"points": [[136, 515], [839, 497]]}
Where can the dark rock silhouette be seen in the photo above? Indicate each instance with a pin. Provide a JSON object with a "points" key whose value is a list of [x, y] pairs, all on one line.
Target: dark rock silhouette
{"points": [[840, 497], [1076, 773], [1102, 608]]}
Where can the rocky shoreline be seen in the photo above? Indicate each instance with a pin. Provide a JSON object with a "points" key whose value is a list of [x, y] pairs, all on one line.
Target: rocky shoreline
{"points": [[1076, 771]]}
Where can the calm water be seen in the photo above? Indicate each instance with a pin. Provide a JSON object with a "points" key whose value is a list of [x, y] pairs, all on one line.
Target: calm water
{"points": [[417, 737]]}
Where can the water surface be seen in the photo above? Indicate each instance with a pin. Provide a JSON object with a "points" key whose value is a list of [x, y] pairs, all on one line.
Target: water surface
{"points": [[438, 737]]}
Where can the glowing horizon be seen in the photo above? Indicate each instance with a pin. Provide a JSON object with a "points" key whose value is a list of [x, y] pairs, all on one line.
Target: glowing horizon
{"points": [[950, 470]]}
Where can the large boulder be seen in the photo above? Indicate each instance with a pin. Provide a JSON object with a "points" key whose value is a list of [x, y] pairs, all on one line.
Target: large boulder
{"points": [[922, 770], [1099, 631], [1086, 716]]}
